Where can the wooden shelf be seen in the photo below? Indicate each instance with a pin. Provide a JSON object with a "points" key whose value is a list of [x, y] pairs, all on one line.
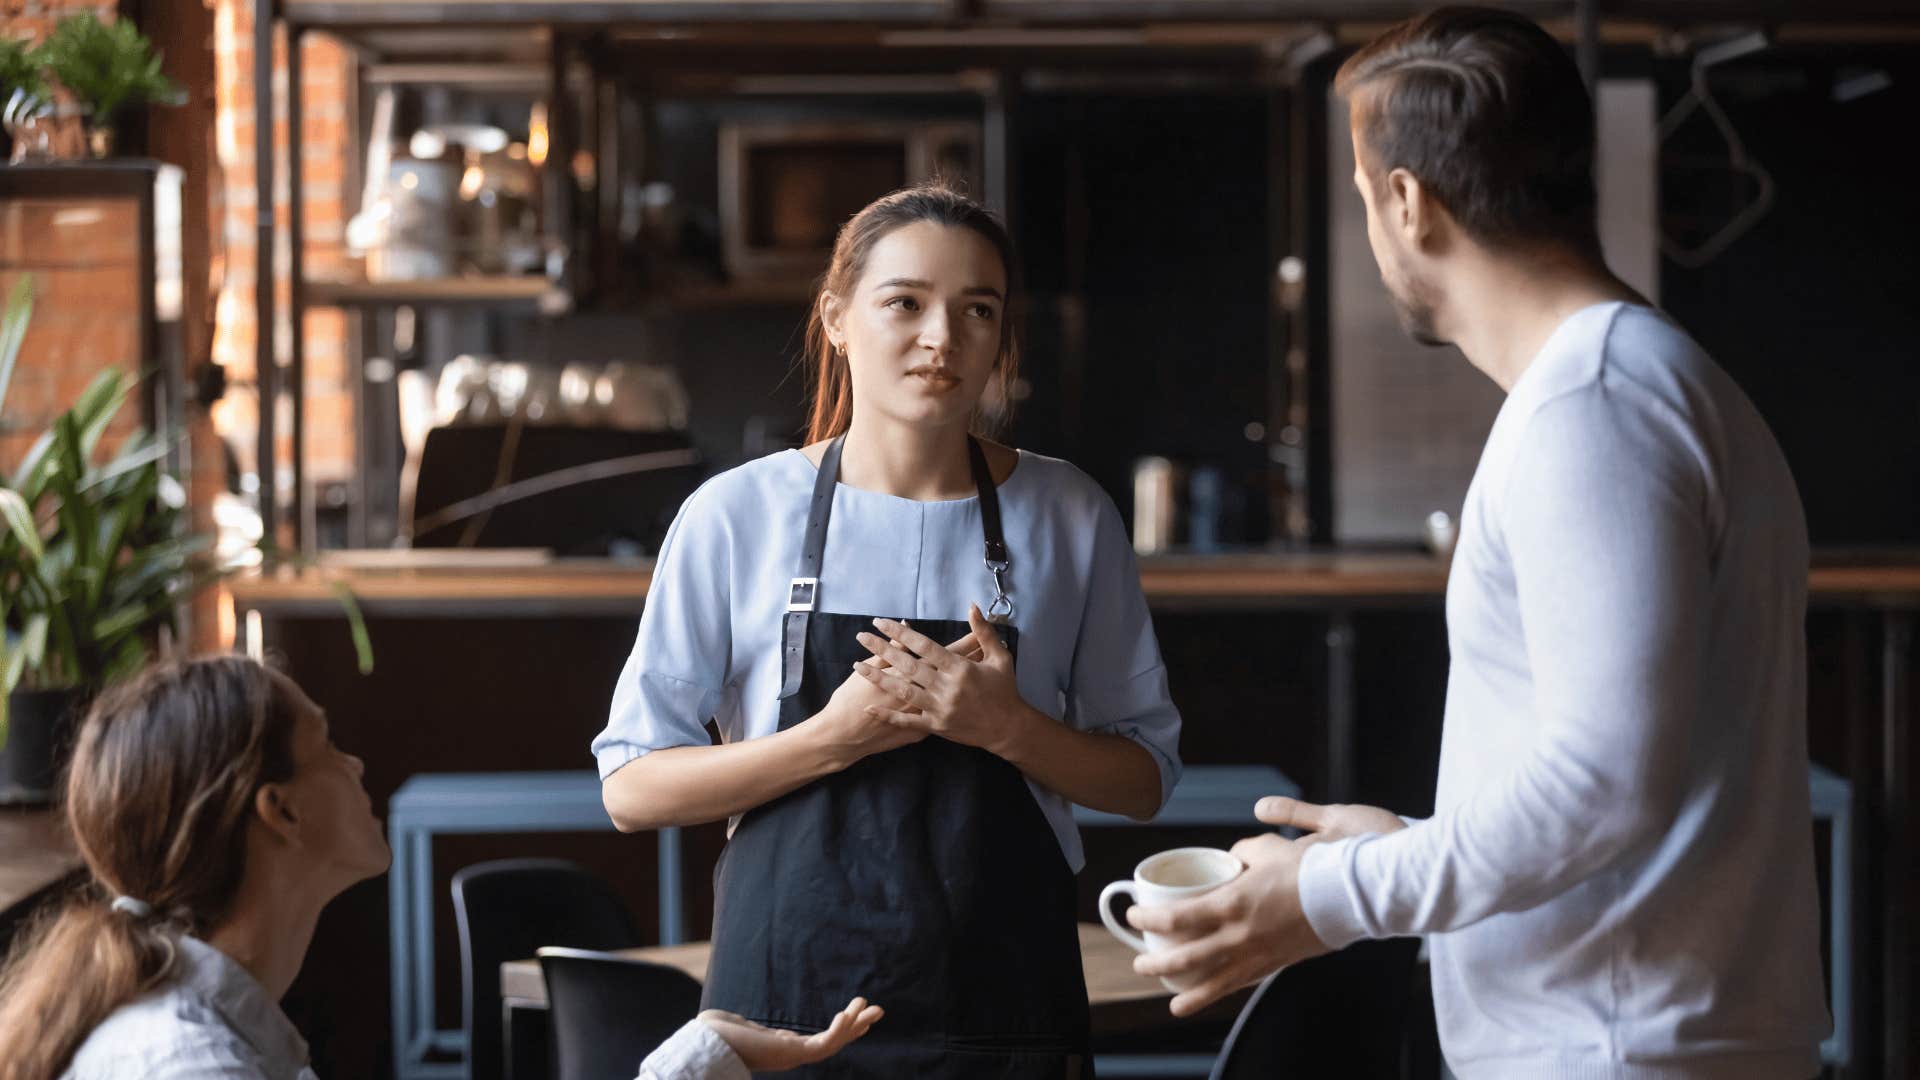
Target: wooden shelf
{"points": [[1256, 580], [501, 289], [35, 852], [548, 296], [614, 13], [601, 13]]}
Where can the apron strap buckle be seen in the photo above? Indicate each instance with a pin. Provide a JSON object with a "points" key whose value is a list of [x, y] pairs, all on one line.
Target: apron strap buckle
{"points": [[801, 593], [1001, 608]]}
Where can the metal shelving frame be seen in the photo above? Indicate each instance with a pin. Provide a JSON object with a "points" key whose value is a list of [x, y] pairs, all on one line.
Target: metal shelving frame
{"points": [[404, 34]]}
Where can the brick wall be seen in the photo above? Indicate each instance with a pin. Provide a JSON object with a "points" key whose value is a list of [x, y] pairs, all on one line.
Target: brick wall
{"points": [[33, 18], [86, 315], [325, 101], [64, 349], [84, 269]]}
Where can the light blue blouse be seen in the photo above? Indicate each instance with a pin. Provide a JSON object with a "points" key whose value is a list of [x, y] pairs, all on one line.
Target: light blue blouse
{"points": [[709, 643], [210, 1020]]}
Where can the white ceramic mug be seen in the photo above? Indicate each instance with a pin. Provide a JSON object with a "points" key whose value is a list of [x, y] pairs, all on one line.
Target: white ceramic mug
{"points": [[1179, 874]]}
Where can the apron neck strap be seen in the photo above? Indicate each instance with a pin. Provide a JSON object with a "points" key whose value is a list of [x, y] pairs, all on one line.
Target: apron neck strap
{"points": [[813, 546], [989, 503], [803, 595], [1000, 608], [803, 592]]}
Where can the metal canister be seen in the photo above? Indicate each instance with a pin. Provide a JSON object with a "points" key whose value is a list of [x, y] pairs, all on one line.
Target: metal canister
{"points": [[1153, 504]]}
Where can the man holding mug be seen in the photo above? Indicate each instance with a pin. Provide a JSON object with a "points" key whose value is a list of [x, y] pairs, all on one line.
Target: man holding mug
{"points": [[1617, 881]]}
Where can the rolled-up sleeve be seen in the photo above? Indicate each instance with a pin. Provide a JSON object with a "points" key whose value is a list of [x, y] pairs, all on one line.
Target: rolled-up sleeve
{"points": [[672, 682], [1119, 682]]}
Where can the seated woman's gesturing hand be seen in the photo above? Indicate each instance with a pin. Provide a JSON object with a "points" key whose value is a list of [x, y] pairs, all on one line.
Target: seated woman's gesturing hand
{"points": [[938, 691], [764, 1049]]}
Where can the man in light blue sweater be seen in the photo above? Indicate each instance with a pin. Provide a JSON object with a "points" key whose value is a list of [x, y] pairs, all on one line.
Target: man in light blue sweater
{"points": [[1617, 881]]}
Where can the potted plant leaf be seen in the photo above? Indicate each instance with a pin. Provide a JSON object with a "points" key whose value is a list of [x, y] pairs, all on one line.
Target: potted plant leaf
{"points": [[20, 67], [107, 66], [93, 564], [24, 101]]}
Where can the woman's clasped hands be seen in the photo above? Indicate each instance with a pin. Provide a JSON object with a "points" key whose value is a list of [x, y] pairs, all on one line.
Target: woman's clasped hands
{"points": [[968, 696], [857, 720]]}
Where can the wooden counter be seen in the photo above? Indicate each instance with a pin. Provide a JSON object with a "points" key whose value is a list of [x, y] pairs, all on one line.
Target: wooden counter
{"points": [[35, 852], [592, 586]]}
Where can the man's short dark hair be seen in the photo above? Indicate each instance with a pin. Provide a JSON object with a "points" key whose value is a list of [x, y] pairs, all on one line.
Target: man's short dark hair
{"points": [[1487, 110]]}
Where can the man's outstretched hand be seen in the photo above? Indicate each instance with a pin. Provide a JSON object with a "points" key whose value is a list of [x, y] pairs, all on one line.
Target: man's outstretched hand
{"points": [[1335, 822]]}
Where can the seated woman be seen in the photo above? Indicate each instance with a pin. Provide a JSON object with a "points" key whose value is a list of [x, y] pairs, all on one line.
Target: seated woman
{"points": [[217, 819]]}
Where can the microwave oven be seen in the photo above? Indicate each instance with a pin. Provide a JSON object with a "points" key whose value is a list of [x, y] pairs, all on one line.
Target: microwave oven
{"points": [[785, 189]]}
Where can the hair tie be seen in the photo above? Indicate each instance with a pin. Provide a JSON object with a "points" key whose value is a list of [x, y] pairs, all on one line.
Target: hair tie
{"points": [[139, 909]]}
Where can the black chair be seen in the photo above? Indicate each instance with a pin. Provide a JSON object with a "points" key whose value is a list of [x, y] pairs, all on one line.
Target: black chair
{"points": [[609, 1012], [508, 910], [1344, 1015]]}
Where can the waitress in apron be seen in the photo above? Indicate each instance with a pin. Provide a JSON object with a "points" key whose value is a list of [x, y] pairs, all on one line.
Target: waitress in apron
{"points": [[919, 649]]}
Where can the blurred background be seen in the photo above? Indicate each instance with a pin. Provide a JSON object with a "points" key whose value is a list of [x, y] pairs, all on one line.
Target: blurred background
{"points": [[451, 302]]}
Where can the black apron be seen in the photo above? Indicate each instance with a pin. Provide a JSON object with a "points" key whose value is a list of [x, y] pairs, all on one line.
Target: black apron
{"points": [[925, 879]]}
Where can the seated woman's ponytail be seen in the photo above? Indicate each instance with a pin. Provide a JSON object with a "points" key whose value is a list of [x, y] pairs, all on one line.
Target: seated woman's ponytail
{"points": [[158, 796]]}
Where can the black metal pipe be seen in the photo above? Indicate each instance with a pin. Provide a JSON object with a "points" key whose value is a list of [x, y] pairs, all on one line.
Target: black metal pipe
{"points": [[1896, 752], [266, 376], [296, 310], [1342, 715]]}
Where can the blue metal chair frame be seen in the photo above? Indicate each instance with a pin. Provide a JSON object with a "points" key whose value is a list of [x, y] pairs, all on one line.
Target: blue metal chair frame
{"points": [[435, 804], [1833, 803]]}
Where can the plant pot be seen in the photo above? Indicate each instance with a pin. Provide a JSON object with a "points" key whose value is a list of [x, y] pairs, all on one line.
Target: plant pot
{"points": [[40, 729], [100, 142], [43, 131]]}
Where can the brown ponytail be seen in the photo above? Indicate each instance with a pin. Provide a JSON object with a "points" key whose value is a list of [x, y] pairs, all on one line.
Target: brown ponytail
{"points": [[158, 797], [830, 409]]}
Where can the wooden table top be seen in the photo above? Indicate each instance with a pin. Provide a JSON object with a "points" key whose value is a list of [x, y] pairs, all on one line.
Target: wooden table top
{"points": [[1121, 1000], [406, 581], [35, 852]]}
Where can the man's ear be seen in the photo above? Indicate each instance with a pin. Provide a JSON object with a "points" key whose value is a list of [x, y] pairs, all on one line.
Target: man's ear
{"points": [[1408, 210], [1423, 224], [275, 811]]}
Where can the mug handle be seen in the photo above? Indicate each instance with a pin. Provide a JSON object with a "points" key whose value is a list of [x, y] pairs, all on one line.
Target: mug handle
{"points": [[1126, 936]]}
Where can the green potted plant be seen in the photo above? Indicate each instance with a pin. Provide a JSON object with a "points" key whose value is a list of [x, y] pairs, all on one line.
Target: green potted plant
{"points": [[20, 68], [107, 66], [93, 564], [25, 104]]}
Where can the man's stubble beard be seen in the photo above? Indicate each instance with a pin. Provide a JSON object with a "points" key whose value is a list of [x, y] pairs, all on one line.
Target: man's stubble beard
{"points": [[1414, 306]]}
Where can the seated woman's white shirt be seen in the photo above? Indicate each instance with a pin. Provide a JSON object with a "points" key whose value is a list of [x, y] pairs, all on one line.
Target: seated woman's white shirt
{"points": [[709, 640], [695, 1052], [211, 1020]]}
